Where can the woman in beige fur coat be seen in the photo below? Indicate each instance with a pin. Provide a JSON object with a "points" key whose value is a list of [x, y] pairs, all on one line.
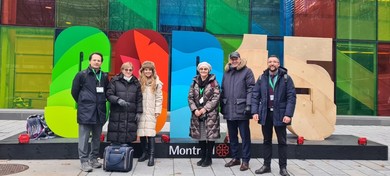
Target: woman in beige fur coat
{"points": [[151, 88]]}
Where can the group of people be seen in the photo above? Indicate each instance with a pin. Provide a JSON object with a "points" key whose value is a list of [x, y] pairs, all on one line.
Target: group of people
{"points": [[270, 101], [136, 103]]}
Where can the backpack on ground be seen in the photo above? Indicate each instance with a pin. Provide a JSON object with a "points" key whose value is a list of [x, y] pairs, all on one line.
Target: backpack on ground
{"points": [[36, 127]]}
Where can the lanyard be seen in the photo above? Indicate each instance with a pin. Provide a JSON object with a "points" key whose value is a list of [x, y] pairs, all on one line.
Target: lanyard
{"points": [[98, 77], [272, 83], [201, 91]]}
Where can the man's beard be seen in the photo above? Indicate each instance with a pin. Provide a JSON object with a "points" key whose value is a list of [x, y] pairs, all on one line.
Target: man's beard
{"points": [[273, 69]]}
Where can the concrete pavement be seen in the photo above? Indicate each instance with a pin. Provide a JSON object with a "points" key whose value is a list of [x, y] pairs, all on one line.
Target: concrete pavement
{"points": [[181, 167]]}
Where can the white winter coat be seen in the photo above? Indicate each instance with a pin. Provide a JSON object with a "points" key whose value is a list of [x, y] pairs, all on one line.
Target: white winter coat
{"points": [[152, 104]]}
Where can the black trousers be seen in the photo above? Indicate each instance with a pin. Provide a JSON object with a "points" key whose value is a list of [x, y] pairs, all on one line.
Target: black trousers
{"points": [[242, 126], [281, 134]]}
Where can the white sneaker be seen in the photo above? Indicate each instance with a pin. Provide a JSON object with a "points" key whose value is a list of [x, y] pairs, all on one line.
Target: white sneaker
{"points": [[85, 167], [94, 163]]}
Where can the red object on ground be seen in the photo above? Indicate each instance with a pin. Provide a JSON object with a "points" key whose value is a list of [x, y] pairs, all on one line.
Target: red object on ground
{"points": [[165, 138], [362, 141], [24, 138], [102, 137], [300, 140]]}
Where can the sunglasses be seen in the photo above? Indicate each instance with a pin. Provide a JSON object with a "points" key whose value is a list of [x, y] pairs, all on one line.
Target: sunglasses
{"points": [[128, 70]]}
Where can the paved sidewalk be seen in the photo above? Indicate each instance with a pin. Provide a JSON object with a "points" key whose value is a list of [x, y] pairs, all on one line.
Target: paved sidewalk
{"points": [[188, 166]]}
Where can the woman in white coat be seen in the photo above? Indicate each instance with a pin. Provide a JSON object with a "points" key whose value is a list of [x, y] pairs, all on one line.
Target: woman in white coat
{"points": [[151, 88]]}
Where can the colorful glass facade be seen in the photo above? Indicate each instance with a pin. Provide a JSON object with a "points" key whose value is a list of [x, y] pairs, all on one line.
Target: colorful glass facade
{"points": [[360, 31]]}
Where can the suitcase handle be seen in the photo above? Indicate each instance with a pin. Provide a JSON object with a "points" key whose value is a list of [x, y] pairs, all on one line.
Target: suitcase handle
{"points": [[121, 158]]}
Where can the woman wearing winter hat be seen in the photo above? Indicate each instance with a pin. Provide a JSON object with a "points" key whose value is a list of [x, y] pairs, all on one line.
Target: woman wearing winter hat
{"points": [[151, 88]]}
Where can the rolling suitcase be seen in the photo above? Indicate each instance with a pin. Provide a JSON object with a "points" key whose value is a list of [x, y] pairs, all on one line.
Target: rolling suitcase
{"points": [[118, 158]]}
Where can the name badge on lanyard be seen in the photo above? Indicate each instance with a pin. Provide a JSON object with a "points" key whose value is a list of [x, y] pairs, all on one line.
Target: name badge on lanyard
{"points": [[271, 97], [99, 89], [201, 100]]}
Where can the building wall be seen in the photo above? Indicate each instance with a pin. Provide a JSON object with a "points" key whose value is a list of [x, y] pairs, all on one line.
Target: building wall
{"points": [[360, 31]]}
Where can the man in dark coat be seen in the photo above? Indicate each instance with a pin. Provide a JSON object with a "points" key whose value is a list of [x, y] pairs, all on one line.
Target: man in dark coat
{"points": [[88, 90], [273, 105], [237, 84]]}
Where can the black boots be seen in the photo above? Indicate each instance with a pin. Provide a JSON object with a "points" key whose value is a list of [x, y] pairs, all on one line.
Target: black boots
{"points": [[207, 153], [151, 144], [144, 146], [203, 150], [147, 145]]}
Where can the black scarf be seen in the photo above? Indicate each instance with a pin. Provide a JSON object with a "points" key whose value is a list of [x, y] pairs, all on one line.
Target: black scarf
{"points": [[201, 83]]}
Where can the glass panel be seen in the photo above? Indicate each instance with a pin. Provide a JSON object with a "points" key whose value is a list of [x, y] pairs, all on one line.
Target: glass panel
{"points": [[26, 65], [273, 17], [130, 14], [356, 20], [92, 13], [27, 12], [227, 16], [276, 47], [229, 44], [384, 20], [313, 18], [356, 78], [384, 79], [181, 15]]}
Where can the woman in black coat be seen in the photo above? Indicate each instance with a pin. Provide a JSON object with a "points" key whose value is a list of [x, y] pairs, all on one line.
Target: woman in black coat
{"points": [[125, 96]]}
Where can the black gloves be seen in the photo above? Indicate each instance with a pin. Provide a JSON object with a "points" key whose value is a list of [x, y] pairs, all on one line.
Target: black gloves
{"points": [[247, 110], [122, 102]]}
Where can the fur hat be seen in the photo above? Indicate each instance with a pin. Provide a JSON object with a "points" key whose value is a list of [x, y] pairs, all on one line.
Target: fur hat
{"points": [[148, 64]]}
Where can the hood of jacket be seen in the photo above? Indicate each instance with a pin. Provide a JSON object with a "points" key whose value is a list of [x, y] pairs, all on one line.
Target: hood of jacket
{"points": [[158, 81], [239, 67]]}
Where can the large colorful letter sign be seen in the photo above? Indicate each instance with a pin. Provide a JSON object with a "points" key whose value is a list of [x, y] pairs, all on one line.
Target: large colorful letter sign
{"points": [[137, 46], [186, 48], [306, 59], [60, 112]]}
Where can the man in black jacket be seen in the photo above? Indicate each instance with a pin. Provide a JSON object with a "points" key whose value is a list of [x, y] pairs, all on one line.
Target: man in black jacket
{"points": [[237, 84], [273, 105], [88, 90]]}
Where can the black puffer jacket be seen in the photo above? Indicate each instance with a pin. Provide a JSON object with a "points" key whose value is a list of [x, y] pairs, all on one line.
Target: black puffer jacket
{"points": [[122, 126], [91, 106]]}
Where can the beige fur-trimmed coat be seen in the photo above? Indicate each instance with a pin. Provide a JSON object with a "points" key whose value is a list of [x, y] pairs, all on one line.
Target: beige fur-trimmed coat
{"points": [[152, 104]]}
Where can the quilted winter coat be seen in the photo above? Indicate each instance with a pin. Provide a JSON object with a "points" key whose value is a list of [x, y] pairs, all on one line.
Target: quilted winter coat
{"points": [[122, 126], [211, 98], [152, 104]]}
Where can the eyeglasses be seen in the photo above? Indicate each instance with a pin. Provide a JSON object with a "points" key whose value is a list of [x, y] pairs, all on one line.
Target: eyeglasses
{"points": [[203, 69], [128, 70]]}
